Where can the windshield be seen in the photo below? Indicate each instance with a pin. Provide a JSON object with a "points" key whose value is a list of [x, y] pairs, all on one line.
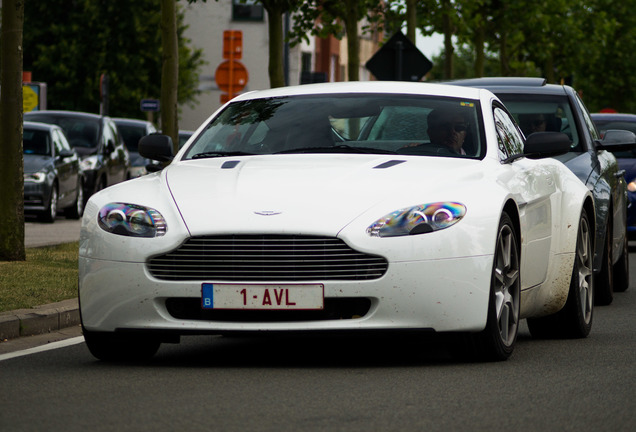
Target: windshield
{"points": [[131, 135], [36, 142], [605, 125], [81, 132], [378, 123], [543, 113]]}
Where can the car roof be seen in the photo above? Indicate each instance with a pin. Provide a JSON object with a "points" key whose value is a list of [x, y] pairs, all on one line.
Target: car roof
{"points": [[614, 116], [361, 87], [62, 113], [526, 85], [129, 121], [39, 126]]}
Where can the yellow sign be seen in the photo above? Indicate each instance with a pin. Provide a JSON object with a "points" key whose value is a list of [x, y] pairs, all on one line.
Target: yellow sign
{"points": [[30, 98]]}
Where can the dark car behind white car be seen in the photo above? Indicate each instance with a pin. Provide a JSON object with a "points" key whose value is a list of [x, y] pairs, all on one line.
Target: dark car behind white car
{"points": [[538, 106], [104, 158], [53, 180]]}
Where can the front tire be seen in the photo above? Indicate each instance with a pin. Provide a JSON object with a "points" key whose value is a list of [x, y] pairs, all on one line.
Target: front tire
{"points": [[605, 284], [121, 347], [50, 213], [496, 342], [77, 209], [575, 319], [621, 269]]}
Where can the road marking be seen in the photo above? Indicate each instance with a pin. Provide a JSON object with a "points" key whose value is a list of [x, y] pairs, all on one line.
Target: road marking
{"points": [[42, 348]]}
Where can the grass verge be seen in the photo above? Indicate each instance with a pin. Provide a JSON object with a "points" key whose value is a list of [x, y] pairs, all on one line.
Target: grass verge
{"points": [[48, 275]]}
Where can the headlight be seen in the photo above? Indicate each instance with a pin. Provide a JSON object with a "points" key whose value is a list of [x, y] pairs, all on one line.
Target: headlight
{"points": [[38, 177], [131, 220], [89, 163], [418, 220]]}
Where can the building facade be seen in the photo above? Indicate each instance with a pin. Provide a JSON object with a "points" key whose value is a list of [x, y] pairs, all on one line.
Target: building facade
{"points": [[318, 60]]}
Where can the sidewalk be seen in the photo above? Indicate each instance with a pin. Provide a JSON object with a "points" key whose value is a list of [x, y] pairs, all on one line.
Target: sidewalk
{"points": [[39, 320]]}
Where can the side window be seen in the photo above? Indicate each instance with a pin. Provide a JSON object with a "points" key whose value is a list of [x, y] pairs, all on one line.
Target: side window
{"points": [[509, 138], [588, 120], [61, 143], [247, 10], [110, 136], [59, 146]]}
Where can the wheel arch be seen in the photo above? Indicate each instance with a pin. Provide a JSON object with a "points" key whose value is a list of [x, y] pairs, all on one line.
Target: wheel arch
{"points": [[511, 209], [588, 206]]}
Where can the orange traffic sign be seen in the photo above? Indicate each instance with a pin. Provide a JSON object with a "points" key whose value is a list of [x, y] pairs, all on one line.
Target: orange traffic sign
{"points": [[232, 44], [231, 77]]}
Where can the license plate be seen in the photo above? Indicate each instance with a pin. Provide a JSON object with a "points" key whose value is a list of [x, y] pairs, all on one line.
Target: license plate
{"points": [[262, 297]]}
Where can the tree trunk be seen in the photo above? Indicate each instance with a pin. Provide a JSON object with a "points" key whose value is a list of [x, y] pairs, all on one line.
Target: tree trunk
{"points": [[11, 162], [275, 29], [353, 40], [411, 20], [169, 72], [480, 57], [447, 28]]}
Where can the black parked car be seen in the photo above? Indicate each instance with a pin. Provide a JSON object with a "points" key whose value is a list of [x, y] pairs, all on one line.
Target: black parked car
{"points": [[95, 138], [52, 177], [132, 130], [626, 159], [538, 106]]}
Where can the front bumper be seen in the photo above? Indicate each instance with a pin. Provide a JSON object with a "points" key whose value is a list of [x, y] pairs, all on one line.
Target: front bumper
{"points": [[440, 295]]}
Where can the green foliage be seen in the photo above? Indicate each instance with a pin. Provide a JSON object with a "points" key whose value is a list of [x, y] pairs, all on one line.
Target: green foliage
{"points": [[70, 44]]}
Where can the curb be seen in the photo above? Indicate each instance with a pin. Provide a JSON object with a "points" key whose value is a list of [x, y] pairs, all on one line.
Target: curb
{"points": [[39, 320]]}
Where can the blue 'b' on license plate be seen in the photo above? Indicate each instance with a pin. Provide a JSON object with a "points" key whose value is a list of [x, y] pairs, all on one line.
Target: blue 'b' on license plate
{"points": [[207, 296]]}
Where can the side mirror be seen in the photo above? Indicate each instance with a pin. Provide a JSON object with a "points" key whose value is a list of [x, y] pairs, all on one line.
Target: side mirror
{"points": [[541, 145], [156, 147], [617, 140], [63, 154], [546, 144]]}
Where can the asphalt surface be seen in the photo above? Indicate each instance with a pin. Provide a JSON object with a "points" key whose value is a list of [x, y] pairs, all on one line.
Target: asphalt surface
{"points": [[45, 318]]}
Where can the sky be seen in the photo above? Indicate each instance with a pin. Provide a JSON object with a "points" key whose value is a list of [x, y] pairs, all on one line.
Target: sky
{"points": [[430, 45]]}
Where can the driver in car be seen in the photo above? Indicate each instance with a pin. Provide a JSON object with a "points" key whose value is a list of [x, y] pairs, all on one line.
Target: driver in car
{"points": [[447, 130]]}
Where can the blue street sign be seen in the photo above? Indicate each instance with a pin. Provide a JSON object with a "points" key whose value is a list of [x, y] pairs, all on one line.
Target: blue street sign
{"points": [[149, 105]]}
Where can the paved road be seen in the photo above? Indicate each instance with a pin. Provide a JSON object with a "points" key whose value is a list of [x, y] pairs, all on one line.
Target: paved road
{"points": [[346, 384], [44, 234]]}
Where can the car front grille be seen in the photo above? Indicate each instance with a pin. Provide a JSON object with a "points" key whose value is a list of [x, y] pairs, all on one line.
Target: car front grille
{"points": [[266, 258]]}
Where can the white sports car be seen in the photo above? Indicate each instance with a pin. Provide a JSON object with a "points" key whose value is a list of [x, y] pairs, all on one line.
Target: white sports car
{"points": [[343, 207]]}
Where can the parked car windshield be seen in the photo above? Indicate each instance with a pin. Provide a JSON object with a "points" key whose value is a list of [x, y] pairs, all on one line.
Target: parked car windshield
{"points": [[131, 135], [384, 124], [36, 142], [81, 132], [605, 125], [543, 113]]}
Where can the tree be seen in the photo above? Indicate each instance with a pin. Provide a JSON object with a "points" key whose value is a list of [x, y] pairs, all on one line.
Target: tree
{"points": [[169, 72], [11, 163], [119, 38], [276, 9], [330, 17]]}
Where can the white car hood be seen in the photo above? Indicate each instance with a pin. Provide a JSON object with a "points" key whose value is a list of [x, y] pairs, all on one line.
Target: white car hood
{"points": [[317, 194]]}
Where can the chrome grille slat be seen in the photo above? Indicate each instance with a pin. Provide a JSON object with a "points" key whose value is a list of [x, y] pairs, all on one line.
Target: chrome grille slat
{"points": [[266, 258]]}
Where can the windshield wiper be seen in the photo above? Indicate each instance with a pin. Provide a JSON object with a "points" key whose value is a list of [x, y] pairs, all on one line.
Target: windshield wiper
{"points": [[341, 148], [220, 154]]}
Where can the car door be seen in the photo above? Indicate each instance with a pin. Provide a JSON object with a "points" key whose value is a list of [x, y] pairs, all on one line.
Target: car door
{"points": [[70, 163], [64, 168], [533, 185], [116, 154]]}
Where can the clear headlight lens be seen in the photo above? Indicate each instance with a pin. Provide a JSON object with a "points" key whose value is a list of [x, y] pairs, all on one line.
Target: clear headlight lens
{"points": [[38, 177], [89, 163], [419, 219], [131, 220]]}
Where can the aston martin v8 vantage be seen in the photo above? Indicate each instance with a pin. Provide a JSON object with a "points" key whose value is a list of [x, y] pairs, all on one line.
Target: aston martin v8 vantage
{"points": [[343, 207]]}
